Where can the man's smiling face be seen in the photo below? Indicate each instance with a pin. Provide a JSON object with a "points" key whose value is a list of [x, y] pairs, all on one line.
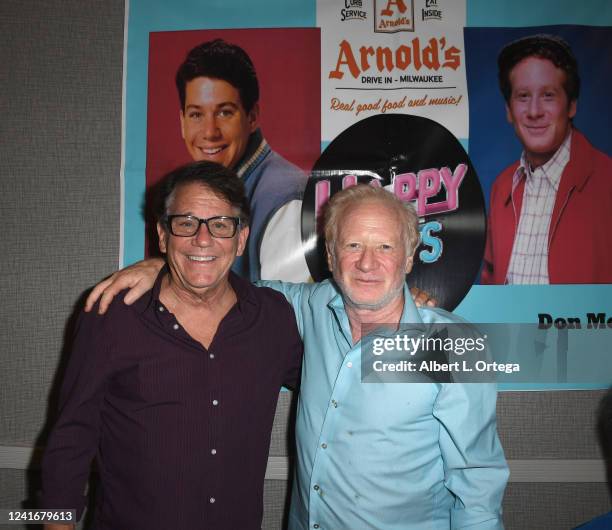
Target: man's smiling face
{"points": [[370, 259], [214, 123], [200, 263], [539, 108]]}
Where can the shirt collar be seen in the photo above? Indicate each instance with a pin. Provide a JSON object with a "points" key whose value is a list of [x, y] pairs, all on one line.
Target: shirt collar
{"points": [[336, 304], [552, 170], [151, 298], [244, 292], [410, 313], [256, 150], [244, 289]]}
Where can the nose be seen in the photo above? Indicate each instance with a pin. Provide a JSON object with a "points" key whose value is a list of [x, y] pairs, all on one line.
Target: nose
{"points": [[367, 260], [534, 109], [209, 129], [202, 237]]}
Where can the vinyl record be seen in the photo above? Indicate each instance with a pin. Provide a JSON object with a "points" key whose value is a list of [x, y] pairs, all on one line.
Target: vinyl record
{"points": [[423, 163]]}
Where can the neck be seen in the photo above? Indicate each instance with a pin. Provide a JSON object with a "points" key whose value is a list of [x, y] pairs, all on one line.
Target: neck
{"points": [[215, 299], [200, 314], [389, 314]]}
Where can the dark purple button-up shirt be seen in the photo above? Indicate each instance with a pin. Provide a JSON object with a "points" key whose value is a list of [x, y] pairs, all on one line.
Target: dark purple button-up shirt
{"points": [[181, 433]]}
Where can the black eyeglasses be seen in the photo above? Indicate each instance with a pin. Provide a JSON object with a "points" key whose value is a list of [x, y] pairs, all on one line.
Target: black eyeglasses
{"points": [[188, 225]]}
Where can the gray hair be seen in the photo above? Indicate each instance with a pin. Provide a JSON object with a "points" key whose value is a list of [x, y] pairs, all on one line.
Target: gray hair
{"points": [[364, 193]]}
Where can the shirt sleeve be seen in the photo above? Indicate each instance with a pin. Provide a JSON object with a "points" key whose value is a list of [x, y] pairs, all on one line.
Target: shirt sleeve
{"points": [[281, 253], [295, 352], [294, 293], [475, 469], [74, 438]]}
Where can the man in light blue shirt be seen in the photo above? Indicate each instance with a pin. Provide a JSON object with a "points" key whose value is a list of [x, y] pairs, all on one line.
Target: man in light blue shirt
{"points": [[379, 456], [383, 456]]}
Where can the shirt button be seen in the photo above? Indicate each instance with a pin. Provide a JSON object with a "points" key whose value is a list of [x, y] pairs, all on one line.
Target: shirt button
{"points": [[161, 307], [211, 355], [176, 326], [349, 364], [316, 487], [211, 500], [324, 446], [334, 403], [215, 402], [315, 525], [213, 451]]}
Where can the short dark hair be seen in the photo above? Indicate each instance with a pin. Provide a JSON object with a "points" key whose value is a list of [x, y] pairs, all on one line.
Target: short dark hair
{"points": [[221, 181], [550, 47], [218, 59]]}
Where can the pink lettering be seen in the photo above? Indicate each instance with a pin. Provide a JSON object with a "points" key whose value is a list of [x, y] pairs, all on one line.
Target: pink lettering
{"points": [[452, 181], [405, 186], [429, 186], [322, 193], [426, 184], [348, 181]]}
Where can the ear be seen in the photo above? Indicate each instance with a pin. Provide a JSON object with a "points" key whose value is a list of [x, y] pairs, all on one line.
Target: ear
{"points": [[409, 263], [243, 235], [572, 108], [329, 251], [162, 234], [182, 119], [253, 118]]}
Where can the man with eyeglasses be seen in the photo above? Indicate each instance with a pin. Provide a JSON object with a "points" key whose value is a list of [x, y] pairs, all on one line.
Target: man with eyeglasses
{"points": [[150, 389]]}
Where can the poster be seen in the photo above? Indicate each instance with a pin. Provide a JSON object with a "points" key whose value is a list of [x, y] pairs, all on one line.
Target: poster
{"points": [[413, 57], [381, 57]]}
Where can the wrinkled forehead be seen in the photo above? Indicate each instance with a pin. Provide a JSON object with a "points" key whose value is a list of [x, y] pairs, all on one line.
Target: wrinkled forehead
{"points": [[371, 216]]}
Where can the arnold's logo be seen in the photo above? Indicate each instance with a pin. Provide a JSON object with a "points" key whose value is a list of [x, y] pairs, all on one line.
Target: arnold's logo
{"points": [[352, 10], [391, 16]]}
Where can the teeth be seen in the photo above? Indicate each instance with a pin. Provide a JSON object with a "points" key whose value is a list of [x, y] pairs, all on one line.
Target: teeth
{"points": [[201, 258], [212, 151]]}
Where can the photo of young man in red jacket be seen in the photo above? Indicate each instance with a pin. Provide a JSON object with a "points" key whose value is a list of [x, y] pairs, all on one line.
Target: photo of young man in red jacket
{"points": [[548, 211]]}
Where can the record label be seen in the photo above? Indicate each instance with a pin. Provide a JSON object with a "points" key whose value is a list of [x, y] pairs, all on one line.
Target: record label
{"points": [[422, 163]]}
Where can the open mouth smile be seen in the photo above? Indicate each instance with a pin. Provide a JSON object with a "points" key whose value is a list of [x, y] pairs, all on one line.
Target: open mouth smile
{"points": [[211, 151], [201, 258]]}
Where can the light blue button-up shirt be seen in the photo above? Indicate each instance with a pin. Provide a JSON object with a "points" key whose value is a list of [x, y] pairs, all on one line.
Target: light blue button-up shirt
{"points": [[387, 456]]}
